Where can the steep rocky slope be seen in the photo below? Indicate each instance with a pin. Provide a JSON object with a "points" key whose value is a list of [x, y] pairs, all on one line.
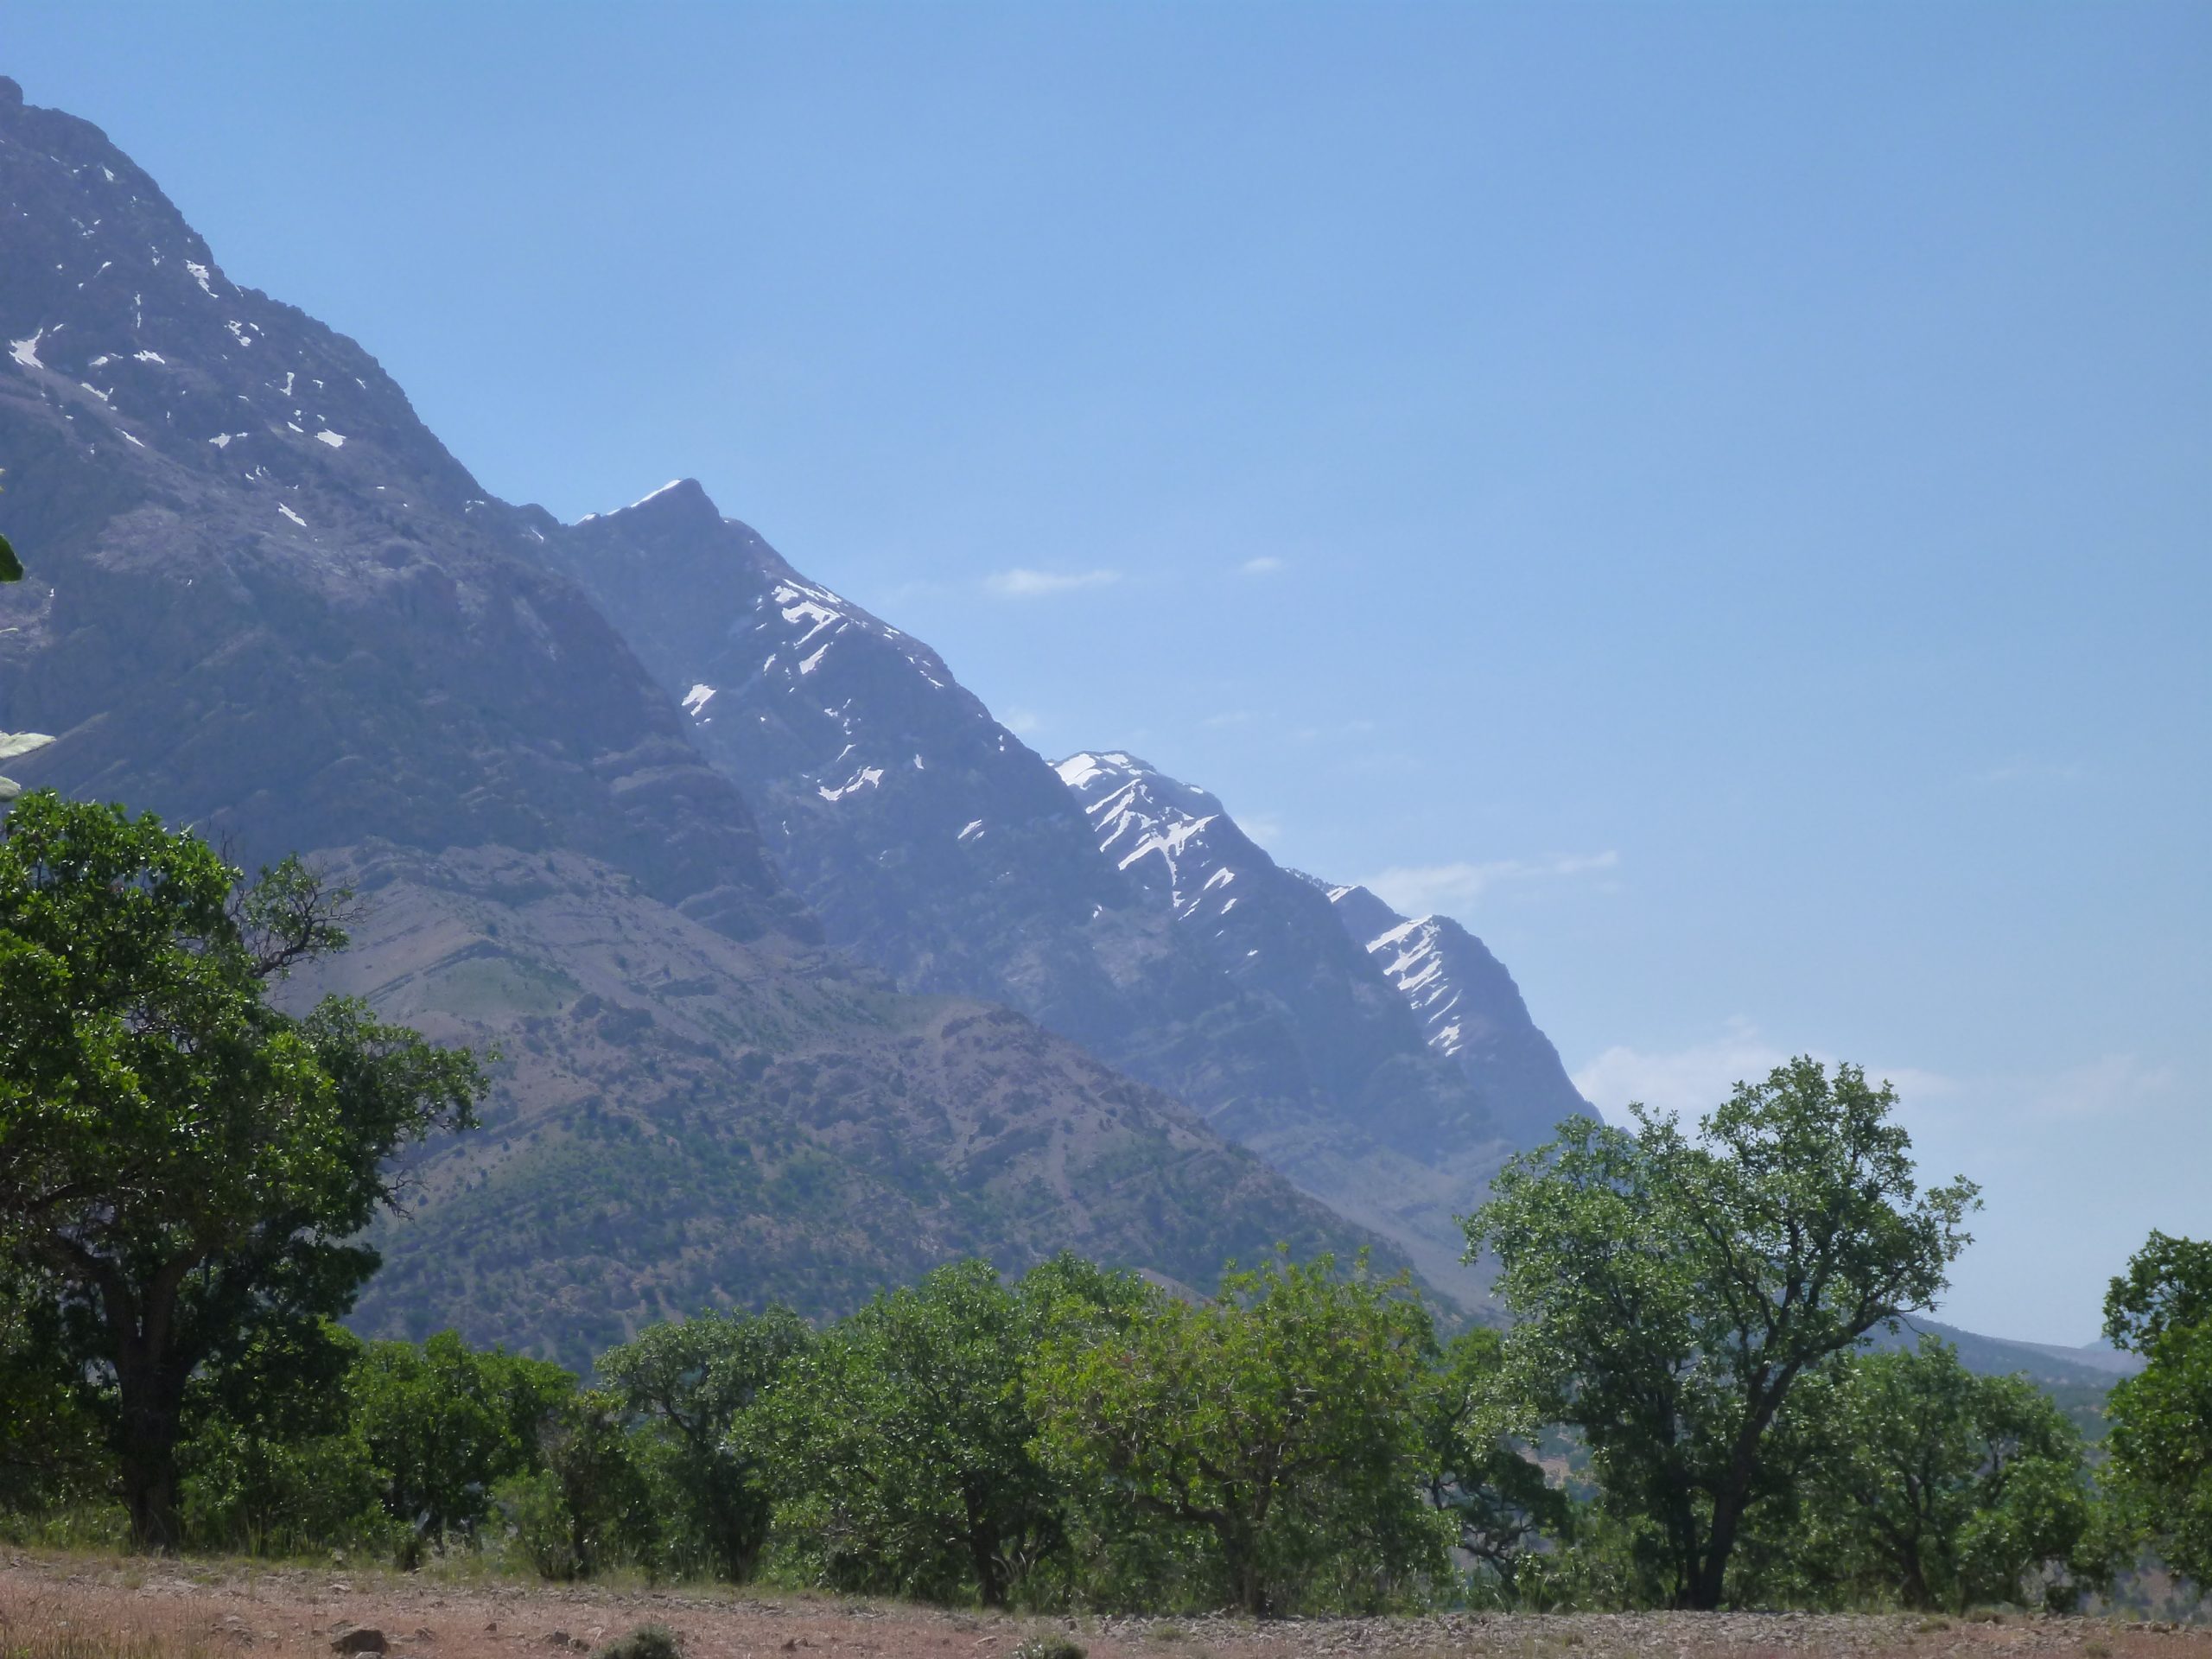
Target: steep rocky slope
{"points": [[1470, 1010], [937, 847], [266, 600], [1270, 933]]}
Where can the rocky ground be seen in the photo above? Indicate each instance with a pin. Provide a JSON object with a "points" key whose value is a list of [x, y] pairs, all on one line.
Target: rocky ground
{"points": [[54, 1607]]}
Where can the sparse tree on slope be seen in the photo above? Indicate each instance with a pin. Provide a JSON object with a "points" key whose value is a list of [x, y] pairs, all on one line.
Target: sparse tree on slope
{"points": [[1671, 1292], [180, 1163]]}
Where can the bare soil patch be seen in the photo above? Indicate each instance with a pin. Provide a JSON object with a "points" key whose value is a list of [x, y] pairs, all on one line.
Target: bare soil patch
{"points": [[65, 1607]]}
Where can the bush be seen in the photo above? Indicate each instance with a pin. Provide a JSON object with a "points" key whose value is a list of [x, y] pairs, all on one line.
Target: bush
{"points": [[646, 1641]]}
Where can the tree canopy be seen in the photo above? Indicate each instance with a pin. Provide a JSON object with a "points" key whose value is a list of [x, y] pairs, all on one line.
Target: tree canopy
{"points": [[1946, 1489], [1671, 1291], [1271, 1429], [182, 1165], [2161, 1436]]}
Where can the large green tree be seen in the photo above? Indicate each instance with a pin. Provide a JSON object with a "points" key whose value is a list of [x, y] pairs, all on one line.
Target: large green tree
{"points": [[181, 1164], [446, 1422], [898, 1445], [2161, 1435], [1271, 1431], [1671, 1290], [687, 1382]]}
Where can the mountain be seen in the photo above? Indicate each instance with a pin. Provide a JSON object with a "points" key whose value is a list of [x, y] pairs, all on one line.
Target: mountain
{"points": [[1273, 935], [1471, 1012], [935, 846], [265, 601]]}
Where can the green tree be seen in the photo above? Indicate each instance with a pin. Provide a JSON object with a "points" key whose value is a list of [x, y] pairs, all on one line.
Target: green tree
{"points": [[184, 1166], [585, 1506], [51, 1453], [445, 1423], [1479, 1474], [1271, 1431], [1671, 1292], [1943, 1489], [11, 568], [2160, 1441], [688, 1382], [898, 1445], [270, 1459]]}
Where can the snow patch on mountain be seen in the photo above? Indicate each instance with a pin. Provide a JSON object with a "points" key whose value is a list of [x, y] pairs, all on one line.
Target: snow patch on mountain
{"points": [[1412, 962], [1151, 827]]}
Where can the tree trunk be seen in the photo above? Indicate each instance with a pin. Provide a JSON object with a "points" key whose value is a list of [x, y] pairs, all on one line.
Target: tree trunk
{"points": [[990, 1572], [146, 1453], [1712, 1572], [149, 1378]]}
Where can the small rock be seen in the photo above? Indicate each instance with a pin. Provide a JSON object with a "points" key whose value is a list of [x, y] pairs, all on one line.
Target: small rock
{"points": [[367, 1639]]}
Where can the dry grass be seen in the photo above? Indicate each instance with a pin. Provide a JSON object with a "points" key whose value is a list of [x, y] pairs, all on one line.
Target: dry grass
{"points": [[84, 1606]]}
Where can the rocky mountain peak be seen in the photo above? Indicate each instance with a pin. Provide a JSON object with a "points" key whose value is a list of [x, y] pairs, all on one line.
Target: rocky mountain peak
{"points": [[118, 315], [1170, 838]]}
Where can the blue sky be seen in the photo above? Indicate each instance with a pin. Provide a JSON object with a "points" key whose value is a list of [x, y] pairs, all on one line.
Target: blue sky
{"points": [[1718, 497]]}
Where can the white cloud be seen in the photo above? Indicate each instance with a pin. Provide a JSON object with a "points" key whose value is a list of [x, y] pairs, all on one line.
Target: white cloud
{"points": [[1696, 1078], [1022, 722], [1264, 828], [1421, 888], [1230, 717], [1266, 565], [2118, 1086], [1036, 584]]}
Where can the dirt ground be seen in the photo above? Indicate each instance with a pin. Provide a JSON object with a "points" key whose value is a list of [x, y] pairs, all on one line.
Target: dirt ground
{"points": [[60, 1605]]}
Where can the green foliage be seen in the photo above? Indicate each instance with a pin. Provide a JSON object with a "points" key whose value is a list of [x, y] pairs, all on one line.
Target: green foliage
{"points": [[603, 1499], [11, 568], [270, 1461], [2160, 1441], [1944, 1490], [1263, 1444], [181, 1166], [445, 1423], [1671, 1292], [687, 1382], [899, 1445], [1480, 1470], [50, 1444]]}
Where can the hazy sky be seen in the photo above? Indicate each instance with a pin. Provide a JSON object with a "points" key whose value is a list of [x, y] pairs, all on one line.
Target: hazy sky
{"points": [[1718, 499]]}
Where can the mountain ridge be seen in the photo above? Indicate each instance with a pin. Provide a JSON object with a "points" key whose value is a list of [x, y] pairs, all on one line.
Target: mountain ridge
{"points": [[265, 601]]}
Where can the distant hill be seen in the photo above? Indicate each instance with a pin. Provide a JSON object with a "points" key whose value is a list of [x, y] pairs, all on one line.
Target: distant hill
{"points": [[2094, 1366]]}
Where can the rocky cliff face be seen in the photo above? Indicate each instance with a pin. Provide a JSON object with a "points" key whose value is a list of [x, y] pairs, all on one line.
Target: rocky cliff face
{"points": [[263, 598], [1470, 1010], [937, 847]]}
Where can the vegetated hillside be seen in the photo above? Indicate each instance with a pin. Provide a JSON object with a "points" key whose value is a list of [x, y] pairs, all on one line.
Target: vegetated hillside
{"points": [[264, 599], [935, 845], [687, 1121]]}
